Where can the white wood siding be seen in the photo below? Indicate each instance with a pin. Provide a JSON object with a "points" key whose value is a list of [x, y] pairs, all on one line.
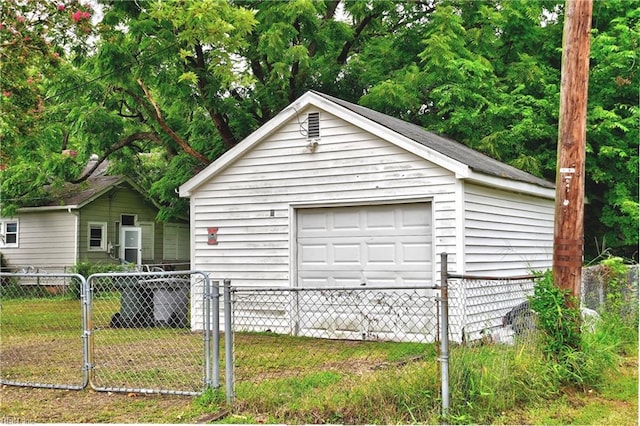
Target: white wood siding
{"points": [[250, 200], [506, 233], [47, 240]]}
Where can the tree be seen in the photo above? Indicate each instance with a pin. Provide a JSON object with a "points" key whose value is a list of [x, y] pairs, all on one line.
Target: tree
{"points": [[174, 84], [169, 86], [35, 36], [488, 76], [612, 129]]}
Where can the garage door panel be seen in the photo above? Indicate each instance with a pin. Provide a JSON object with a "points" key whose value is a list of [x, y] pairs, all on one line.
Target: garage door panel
{"points": [[416, 252], [380, 219], [388, 244], [312, 221], [415, 219], [346, 254], [381, 253], [314, 282], [344, 220], [313, 254]]}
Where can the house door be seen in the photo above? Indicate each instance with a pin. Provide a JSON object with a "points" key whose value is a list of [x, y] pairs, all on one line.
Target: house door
{"points": [[131, 249]]}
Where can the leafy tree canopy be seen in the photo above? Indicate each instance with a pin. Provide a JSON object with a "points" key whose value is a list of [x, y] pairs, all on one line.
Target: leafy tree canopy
{"points": [[162, 88]]}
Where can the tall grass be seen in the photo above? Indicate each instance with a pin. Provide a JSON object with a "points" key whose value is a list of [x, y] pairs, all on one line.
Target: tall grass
{"points": [[402, 385], [391, 383]]}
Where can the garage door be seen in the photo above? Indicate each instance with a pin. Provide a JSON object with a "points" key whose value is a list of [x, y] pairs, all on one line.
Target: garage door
{"points": [[366, 246], [381, 245]]}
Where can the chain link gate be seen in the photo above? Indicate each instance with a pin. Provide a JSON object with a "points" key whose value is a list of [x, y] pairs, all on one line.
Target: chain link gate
{"points": [[151, 332], [122, 332], [43, 342]]}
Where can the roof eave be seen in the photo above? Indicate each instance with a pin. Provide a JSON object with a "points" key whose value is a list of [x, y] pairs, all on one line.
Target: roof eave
{"points": [[83, 203], [511, 185], [47, 208]]}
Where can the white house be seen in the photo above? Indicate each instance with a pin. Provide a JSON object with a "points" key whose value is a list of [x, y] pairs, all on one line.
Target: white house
{"points": [[329, 193]]}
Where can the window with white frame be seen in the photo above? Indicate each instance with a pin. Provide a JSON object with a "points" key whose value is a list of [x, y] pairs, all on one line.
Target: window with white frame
{"points": [[9, 230], [97, 236]]}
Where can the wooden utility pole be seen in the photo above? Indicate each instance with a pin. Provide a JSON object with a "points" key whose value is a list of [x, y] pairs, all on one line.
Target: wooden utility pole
{"points": [[568, 247]]}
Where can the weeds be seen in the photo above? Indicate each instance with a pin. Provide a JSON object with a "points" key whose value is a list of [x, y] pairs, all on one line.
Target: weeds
{"points": [[286, 379]]}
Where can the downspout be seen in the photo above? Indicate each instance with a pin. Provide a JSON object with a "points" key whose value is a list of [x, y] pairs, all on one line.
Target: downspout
{"points": [[76, 236]]}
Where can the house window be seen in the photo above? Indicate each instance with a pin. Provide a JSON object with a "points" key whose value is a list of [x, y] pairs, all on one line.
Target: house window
{"points": [[9, 230], [128, 220], [97, 236]]}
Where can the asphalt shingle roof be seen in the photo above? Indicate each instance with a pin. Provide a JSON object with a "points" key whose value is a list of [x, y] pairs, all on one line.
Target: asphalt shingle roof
{"points": [[475, 160], [77, 194]]}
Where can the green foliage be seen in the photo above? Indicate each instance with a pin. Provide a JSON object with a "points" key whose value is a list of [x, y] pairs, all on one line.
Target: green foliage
{"points": [[486, 380], [558, 319], [618, 290], [87, 269], [582, 359], [210, 399], [184, 81], [620, 311], [34, 36]]}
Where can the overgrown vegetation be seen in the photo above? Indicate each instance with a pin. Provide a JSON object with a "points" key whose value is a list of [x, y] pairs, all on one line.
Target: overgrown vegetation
{"points": [[486, 380], [557, 318], [285, 379], [87, 269]]}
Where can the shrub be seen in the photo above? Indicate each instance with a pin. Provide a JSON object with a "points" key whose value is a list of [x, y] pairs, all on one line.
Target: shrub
{"points": [[558, 322], [86, 269], [620, 299]]}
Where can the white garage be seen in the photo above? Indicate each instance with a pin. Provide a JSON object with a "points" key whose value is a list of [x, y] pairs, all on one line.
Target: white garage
{"points": [[331, 194], [379, 245]]}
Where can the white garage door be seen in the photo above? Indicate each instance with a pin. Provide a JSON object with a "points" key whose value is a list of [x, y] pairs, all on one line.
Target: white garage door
{"points": [[382, 245]]}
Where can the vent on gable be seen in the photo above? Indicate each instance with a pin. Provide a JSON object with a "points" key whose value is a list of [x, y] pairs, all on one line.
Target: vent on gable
{"points": [[313, 125]]}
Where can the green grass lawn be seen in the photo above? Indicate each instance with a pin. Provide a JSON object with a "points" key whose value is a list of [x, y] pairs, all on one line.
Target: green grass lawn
{"points": [[285, 379]]}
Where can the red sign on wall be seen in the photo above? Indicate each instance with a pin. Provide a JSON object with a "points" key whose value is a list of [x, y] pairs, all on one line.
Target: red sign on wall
{"points": [[212, 234]]}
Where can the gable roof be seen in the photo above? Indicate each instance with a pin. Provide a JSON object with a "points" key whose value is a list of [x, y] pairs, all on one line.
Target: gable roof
{"points": [[77, 195], [454, 156]]}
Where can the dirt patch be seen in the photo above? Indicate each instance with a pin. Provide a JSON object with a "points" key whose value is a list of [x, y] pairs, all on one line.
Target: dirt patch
{"points": [[28, 405]]}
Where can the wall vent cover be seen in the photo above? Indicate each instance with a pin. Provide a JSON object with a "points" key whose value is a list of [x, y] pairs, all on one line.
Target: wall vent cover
{"points": [[313, 125]]}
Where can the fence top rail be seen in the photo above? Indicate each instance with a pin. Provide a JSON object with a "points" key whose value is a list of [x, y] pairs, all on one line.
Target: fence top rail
{"points": [[353, 288], [158, 274], [40, 274], [490, 278]]}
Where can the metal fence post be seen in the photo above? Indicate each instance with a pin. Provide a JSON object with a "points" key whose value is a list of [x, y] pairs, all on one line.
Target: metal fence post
{"points": [[444, 342], [228, 342], [87, 344], [206, 300], [215, 328]]}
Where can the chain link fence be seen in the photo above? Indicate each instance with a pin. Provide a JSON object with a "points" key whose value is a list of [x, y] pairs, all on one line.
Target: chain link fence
{"points": [[492, 309], [123, 332], [594, 289], [158, 332], [279, 334], [42, 333]]}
